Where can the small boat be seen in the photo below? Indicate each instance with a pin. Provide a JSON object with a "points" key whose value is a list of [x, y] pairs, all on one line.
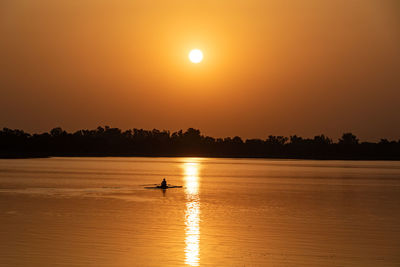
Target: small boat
{"points": [[169, 186], [164, 187]]}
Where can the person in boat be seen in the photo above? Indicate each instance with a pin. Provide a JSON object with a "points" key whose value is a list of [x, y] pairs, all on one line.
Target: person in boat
{"points": [[164, 183]]}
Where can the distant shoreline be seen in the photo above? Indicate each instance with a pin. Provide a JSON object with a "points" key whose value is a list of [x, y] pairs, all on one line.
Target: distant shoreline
{"points": [[113, 142], [186, 156]]}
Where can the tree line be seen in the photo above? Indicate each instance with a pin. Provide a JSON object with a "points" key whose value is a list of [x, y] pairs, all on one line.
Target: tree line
{"points": [[107, 141]]}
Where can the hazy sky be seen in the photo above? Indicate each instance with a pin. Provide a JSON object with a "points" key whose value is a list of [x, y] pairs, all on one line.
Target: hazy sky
{"points": [[278, 67]]}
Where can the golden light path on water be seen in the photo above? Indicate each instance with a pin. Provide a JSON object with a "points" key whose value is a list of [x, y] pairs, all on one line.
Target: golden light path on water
{"points": [[192, 213]]}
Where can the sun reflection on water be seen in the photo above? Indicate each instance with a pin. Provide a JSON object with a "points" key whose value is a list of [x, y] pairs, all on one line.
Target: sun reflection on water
{"points": [[192, 214]]}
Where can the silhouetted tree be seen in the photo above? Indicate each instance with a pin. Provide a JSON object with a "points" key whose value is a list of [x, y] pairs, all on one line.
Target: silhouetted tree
{"points": [[348, 139], [322, 140], [57, 132]]}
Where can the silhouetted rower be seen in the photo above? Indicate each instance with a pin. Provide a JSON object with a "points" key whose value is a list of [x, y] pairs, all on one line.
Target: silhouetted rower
{"points": [[164, 183]]}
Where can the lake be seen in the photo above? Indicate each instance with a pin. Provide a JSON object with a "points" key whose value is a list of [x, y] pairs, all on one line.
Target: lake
{"points": [[229, 212]]}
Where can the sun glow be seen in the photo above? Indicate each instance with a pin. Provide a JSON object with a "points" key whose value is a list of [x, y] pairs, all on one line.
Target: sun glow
{"points": [[196, 56]]}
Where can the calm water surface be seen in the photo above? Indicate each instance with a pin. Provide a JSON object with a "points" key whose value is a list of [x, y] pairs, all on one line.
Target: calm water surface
{"points": [[230, 212]]}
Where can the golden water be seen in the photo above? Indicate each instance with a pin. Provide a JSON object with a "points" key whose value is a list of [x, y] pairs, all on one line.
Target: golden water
{"points": [[230, 212]]}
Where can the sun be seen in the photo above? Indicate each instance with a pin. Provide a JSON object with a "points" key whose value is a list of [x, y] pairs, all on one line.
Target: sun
{"points": [[196, 56]]}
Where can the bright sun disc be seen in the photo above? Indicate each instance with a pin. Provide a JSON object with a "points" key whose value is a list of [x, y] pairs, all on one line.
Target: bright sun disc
{"points": [[196, 56]]}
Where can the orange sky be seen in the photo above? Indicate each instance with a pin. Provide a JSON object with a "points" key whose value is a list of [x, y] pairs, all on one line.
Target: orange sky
{"points": [[278, 67]]}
